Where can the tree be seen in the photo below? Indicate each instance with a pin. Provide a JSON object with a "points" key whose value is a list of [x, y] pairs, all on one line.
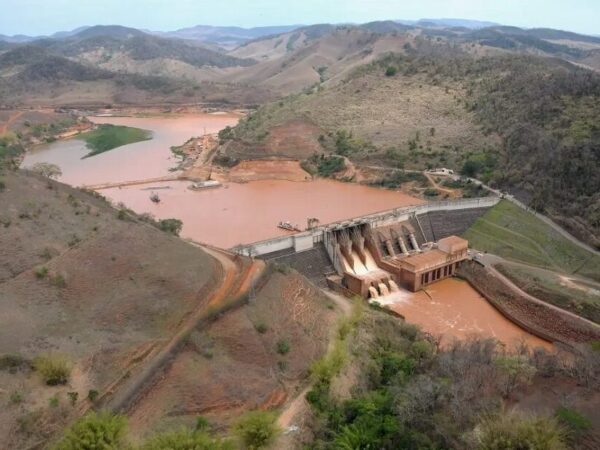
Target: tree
{"points": [[470, 168], [172, 226], [102, 431], [47, 170], [514, 370], [257, 429]]}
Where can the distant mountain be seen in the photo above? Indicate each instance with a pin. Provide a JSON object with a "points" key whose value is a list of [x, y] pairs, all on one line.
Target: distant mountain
{"points": [[100, 44], [463, 23], [114, 31], [17, 39], [232, 36]]}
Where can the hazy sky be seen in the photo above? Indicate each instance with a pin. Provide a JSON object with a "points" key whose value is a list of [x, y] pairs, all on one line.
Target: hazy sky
{"points": [[47, 16]]}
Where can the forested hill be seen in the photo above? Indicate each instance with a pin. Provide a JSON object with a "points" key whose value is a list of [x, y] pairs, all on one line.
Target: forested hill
{"points": [[532, 124]]}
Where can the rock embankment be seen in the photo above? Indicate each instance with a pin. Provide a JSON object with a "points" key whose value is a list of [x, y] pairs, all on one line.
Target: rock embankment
{"points": [[543, 320]]}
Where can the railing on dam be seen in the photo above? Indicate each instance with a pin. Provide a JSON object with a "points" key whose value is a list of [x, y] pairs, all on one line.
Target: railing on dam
{"points": [[304, 240]]}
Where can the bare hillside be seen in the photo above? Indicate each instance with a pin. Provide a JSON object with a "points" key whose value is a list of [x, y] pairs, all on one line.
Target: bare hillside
{"points": [[76, 280]]}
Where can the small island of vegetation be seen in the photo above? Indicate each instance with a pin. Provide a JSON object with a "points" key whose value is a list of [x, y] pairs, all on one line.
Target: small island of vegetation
{"points": [[107, 137]]}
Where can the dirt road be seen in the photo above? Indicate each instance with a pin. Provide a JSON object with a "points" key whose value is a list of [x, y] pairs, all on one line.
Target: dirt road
{"points": [[294, 413], [6, 126], [489, 261], [234, 281]]}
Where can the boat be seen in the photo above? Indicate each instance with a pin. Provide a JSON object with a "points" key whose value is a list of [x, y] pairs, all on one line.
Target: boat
{"points": [[288, 226], [199, 185], [154, 197]]}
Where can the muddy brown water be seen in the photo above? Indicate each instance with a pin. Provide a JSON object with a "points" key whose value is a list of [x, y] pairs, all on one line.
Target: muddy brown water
{"points": [[452, 309], [249, 212], [138, 161]]}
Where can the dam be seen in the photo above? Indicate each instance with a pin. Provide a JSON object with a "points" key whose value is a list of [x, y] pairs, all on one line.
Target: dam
{"points": [[376, 254], [404, 260]]}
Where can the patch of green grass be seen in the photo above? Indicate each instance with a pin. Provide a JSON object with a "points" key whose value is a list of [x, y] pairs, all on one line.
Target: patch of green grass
{"points": [[107, 137], [512, 233], [573, 419]]}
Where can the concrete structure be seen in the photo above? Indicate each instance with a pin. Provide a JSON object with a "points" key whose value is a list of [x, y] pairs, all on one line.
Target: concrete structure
{"points": [[420, 269], [374, 255], [308, 239]]}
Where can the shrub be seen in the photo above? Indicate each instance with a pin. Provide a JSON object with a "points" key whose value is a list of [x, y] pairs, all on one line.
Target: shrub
{"points": [[58, 281], [261, 327], [431, 192], [41, 272], [54, 368], [514, 431], [12, 362], [2, 185], [73, 396], [172, 226], [283, 346], [185, 439], [514, 370], [92, 395], [95, 431], [16, 397], [257, 429], [202, 423], [53, 401], [47, 170], [122, 214], [573, 419], [391, 71]]}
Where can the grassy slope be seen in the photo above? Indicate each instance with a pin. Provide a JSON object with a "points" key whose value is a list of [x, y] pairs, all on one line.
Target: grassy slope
{"points": [[387, 112], [108, 137], [510, 232]]}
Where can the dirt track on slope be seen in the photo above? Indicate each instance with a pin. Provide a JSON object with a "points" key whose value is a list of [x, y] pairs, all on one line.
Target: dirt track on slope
{"points": [[235, 280]]}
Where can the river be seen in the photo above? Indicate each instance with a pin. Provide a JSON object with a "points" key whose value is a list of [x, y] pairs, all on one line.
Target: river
{"points": [[237, 213], [452, 309]]}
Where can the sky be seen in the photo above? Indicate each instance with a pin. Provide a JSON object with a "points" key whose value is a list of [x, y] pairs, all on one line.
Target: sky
{"points": [[43, 17]]}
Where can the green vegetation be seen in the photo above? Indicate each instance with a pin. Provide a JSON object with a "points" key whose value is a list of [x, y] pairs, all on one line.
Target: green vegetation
{"points": [[573, 419], [326, 166], [553, 288], [283, 346], [391, 71], [172, 226], [261, 327], [257, 429], [107, 137], [514, 431], [396, 178], [41, 272], [186, 439], [408, 393], [508, 231], [54, 368], [468, 187], [47, 170], [95, 431]]}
